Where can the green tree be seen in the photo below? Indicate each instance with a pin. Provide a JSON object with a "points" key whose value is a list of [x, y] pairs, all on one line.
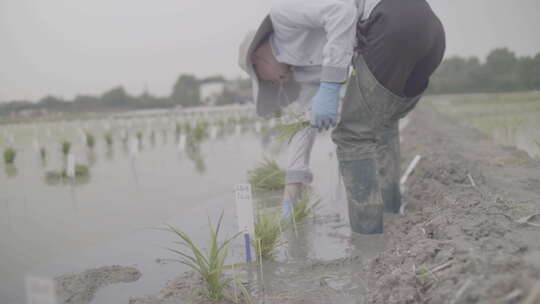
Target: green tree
{"points": [[186, 91], [116, 98], [501, 68]]}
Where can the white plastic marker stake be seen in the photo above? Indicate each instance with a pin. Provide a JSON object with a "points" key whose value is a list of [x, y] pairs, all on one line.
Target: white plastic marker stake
{"points": [[70, 168], [123, 134], [238, 129], [403, 123], [258, 127], [213, 132], [40, 291], [182, 143], [404, 178], [134, 147], [244, 211], [82, 135]]}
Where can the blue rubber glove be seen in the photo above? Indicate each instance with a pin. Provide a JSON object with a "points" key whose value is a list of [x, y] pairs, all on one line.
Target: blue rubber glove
{"points": [[287, 207], [324, 106]]}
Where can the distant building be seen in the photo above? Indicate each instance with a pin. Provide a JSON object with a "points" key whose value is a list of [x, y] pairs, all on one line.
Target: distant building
{"points": [[210, 91]]}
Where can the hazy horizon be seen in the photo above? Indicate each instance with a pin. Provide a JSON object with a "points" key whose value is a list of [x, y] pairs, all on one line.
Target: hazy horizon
{"points": [[65, 48]]}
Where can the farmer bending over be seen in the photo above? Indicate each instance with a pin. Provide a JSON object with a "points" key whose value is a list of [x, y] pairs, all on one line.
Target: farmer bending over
{"points": [[298, 60]]}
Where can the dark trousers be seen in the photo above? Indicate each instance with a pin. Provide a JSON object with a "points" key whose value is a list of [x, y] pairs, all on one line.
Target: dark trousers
{"points": [[402, 44]]}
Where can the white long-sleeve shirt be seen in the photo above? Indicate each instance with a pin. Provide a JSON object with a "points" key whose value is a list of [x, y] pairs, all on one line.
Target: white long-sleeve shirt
{"points": [[318, 33]]}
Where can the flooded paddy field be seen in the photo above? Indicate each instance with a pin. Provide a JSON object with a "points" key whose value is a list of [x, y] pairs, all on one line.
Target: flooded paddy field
{"points": [[511, 119], [462, 238], [145, 170]]}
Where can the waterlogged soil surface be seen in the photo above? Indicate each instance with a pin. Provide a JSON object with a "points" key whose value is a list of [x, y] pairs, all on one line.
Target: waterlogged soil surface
{"points": [[463, 238]]}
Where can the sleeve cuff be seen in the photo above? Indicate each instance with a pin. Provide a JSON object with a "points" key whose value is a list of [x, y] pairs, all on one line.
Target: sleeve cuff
{"points": [[334, 74]]}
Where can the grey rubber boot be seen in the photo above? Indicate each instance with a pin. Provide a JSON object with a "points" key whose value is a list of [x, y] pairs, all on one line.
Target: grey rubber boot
{"points": [[388, 163], [363, 195]]}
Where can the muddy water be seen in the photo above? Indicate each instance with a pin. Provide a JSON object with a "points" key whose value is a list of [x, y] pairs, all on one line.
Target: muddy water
{"points": [[48, 229], [510, 119]]}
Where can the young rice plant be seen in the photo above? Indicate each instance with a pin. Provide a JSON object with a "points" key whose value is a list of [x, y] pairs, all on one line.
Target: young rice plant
{"points": [[209, 266], [267, 235], [66, 147], [9, 155], [90, 140]]}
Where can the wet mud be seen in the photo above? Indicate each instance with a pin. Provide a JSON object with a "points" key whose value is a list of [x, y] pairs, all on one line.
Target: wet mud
{"points": [[80, 288], [462, 238]]}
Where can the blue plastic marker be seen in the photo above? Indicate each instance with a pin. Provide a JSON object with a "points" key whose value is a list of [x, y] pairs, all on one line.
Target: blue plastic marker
{"points": [[248, 247]]}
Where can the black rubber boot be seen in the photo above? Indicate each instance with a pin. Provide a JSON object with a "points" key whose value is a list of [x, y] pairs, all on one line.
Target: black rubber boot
{"points": [[388, 164], [363, 195]]}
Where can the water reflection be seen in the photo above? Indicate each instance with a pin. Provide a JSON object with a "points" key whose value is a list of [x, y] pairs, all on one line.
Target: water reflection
{"points": [[11, 170], [193, 152]]}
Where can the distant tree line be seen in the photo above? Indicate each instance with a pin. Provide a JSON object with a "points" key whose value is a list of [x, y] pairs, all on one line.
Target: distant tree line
{"points": [[502, 71], [185, 93]]}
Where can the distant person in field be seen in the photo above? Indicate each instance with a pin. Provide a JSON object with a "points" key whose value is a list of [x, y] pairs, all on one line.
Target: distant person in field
{"points": [[299, 59]]}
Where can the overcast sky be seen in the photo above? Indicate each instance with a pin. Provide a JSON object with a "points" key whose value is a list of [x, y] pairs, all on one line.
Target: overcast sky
{"points": [[64, 47]]}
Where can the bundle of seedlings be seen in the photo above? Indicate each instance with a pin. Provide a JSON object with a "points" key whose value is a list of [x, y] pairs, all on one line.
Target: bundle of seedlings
{"points": [[267, 176], [66, 147], [9, 155], [286, 131], [109, 139], [209, 265], [267, 235], [199, 133], [90, 140]]}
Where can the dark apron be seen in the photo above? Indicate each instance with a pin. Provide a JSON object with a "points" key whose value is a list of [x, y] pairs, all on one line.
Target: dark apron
{"points": [[367, 139]]}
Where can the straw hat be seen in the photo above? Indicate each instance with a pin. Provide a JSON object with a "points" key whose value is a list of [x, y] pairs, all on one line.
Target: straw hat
{"points": [[269, 97]]}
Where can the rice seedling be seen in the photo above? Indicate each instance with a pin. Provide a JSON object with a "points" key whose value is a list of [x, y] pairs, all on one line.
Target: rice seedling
{"points": [[90, 140], [286, 131], [209, 266], [9, 155], [267, 235], [66, 147], [109, 139], [81, 170], [199, 133], [267, 176], [302, 209], [43, 153], [139, 136]]}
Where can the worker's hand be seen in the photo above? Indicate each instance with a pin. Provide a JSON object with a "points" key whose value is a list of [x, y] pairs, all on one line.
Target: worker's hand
{"points": [[324, 106]]}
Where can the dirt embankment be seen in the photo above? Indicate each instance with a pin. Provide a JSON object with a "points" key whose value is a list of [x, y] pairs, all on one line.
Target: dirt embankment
{"points": [[460, 241]]}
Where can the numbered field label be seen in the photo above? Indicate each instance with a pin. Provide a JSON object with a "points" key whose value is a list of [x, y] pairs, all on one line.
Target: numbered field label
{"points": [[244, 208]]}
